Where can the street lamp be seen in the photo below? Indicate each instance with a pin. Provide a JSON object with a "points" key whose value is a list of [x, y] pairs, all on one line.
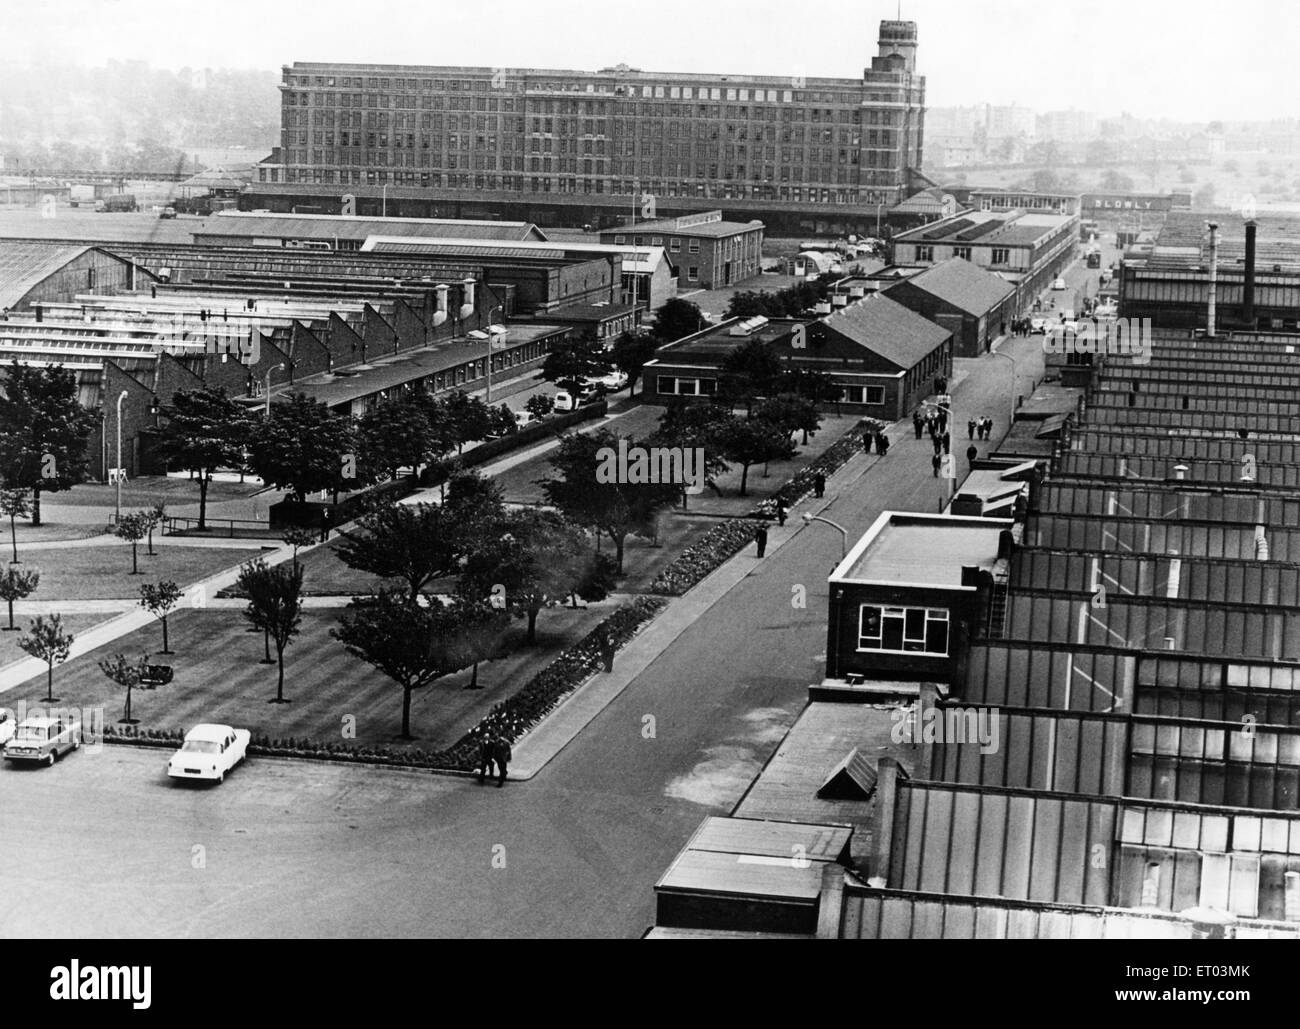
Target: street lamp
{"points": [[1014, 379], [118, 511], [266, 385], [808, 519], [491, 336]]}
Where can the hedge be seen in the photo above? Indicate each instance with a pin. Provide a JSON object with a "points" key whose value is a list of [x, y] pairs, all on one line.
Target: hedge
{"points": [[828, 462], [512, 716], [719, 545]]}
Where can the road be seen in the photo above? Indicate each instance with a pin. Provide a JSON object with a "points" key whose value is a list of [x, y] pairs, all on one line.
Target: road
{"points": [[103, 845]]}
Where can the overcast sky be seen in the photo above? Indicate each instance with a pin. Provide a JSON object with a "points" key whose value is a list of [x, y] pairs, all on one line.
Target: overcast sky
{"points": [[1180, 59]]}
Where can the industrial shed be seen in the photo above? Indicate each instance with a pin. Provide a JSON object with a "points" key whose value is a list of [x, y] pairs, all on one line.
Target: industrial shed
{"points": [[32, 273]]}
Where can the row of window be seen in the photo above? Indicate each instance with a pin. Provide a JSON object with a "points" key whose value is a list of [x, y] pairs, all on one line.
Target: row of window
{"points": [[903, 630]]}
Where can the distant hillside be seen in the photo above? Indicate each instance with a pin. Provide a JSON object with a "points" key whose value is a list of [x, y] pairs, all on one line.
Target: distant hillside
{"points": [[130, 115]]}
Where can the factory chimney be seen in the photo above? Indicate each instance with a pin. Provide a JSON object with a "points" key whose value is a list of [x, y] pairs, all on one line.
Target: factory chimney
{"points": [[1248, 294], [1214, 278]]}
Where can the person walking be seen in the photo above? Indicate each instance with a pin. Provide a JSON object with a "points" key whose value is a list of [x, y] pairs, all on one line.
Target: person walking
{"points": [[326, 522], [970, 429], [882, 444], [938, 444], [484, 756], [819, 481], [972, 452], [918, 423], [866, 442], [947, 442], [780, 511], [502, 755], [934, 463], [606, 650], [760, 538], [988, 428], [980, 427]]}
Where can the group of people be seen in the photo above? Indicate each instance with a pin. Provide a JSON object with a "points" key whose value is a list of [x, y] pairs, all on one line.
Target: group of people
{"points": [[493, 750], [876, 439], [981, 428], [933, 422], [1021, 326]]}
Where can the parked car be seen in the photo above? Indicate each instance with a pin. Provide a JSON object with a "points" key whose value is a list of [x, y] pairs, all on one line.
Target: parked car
{"points": [[571, 400], [612, 380], [1059, 284], [523, 418], [43, 739], [156, 675], [7, 726], [167, 212], [209, 752], [1038, 326]]}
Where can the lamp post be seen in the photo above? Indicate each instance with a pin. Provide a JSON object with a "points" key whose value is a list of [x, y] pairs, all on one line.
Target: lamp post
{"points": [[1014, 379], [266, 385], [487, 394], [808, 519], [117, 517]]}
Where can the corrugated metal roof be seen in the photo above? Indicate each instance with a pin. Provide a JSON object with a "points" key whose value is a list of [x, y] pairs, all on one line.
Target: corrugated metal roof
{"points": [[247, 224], [23, 266], [889, 329]]}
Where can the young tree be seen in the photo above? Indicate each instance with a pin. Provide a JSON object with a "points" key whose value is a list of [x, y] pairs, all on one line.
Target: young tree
{"points": [[694, 425], [155, 514], [16, 585], [412, 644], [43, 431], [540, 405], [752, 370], [748, 442], [203, 430], [395, 435], [678, 318], [298, 538], [612, 508], [132, 528], [482, 636], [47, 640], [501, 420], [631, 352], [791, 412], [13, 503], [274, 606], [158, 600], [303, 448], [467, 419], [127, 674]]}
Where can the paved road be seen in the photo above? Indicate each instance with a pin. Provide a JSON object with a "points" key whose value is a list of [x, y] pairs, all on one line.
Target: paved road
{"points": [[102, 844]]}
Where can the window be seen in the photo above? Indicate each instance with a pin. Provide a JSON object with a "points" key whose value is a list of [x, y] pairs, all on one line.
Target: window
{"points": [[864, 394], [681, 387], [962, 252], [675, 245], [694, 246], [903, 630], [925, 253], [620, 239], [1001, 255], [693, 273]]}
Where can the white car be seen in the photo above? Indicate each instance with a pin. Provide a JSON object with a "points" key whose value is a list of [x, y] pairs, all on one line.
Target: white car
{"points": [[612, 381], [1059, 284], [209, 752], [1038, 326], [523, 418], [43, 739]]}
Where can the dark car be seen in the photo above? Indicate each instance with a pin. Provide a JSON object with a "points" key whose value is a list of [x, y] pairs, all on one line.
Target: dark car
{"points": [[156, 675]]}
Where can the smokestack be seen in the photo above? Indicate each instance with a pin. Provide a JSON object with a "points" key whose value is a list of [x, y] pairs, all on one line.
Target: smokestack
{"points": [[1248, 296], [1214, 278]]}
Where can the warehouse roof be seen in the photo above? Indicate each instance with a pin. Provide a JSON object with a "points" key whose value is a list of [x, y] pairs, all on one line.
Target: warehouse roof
{"points": [[243, 224], [964, 286], [25, 264], [919, 549], [889, 329]]}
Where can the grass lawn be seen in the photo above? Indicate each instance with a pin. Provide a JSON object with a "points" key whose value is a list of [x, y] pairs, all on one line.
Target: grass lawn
{"points": [[11, 652], [102, 573], [218, 679]]}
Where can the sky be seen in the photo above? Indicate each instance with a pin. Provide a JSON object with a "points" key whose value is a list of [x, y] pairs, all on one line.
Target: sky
{"points": [[1179, 59]]}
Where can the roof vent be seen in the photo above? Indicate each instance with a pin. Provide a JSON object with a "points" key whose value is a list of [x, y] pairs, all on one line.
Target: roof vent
{"points": [[749, 326]]}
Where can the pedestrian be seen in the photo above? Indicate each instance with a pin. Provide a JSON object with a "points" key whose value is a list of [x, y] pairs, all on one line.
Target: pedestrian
{"points": [[501, 753], [947, 442], [606, 646], [970, 429], [982, 422], [484, 756], [780, 511], [988, 428], [918, 423], [938, 444], [934, 463], [760, 538], [326, 522], [882, 444], [819, 481], [867, 439], [972, 452]]}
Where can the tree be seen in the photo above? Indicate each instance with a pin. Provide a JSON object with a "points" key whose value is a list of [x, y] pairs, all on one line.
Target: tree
{"points": [[155, 515], [412, 644], [395, 435], [16, 585], [1113, 181], [47, 640], [747, 442], [274, 606], [203, 430], [467, 419], [132, 528], [791, 412], [539, 405], [631, 352], [695, 426], [501, 420], [481, 636], [597, 581], [1045, 180], [536, 561], [816, 386], [298, 538], [303, 448], [43, 431], [13, 502], [752, 370], [572, 361], [127, 674], [611, 508], [158, 600], [678, 318]]}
